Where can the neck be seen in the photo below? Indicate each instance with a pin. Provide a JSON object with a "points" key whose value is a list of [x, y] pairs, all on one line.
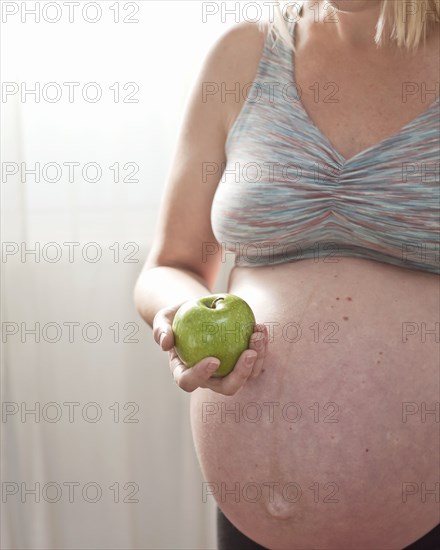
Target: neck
{"points": [[349, 22]]}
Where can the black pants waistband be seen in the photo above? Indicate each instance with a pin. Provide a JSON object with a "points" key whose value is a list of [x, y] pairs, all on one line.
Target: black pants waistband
{"points": [[230, 538]]}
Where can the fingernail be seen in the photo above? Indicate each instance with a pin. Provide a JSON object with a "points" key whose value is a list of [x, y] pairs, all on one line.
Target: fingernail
{"points": [[161, 339], [250, 360], [213, 366]]}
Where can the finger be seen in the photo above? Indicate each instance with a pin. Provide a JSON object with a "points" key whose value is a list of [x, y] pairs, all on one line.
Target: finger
{"points": [[162, 331], [189, 379], [260, 327], [258, 342], [230, 384]]}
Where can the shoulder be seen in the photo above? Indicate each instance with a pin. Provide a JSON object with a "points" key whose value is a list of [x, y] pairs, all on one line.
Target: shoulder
{"points": [[235, 55], [230, 65], [245, 35]]}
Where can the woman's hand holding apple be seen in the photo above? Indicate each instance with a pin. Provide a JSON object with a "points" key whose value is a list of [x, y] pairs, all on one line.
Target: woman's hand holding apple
{"points": [[249, 364]]}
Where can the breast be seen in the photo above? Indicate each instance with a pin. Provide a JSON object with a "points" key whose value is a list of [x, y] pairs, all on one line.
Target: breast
{"points": [[378, 206], [335, 442]]}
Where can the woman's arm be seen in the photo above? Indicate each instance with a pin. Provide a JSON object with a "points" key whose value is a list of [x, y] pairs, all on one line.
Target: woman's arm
{"points": [[176, 269], [161, 286]]}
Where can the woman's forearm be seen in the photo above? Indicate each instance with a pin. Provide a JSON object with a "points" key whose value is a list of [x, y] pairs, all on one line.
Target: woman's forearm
{"points": [[161, 286]]}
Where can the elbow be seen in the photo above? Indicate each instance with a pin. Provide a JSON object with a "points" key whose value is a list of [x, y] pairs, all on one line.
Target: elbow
{"points": [[140, 295], [137, 301]]}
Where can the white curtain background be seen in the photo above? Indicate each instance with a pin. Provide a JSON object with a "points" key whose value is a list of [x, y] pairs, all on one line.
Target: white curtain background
{"points": [[106, 460]]}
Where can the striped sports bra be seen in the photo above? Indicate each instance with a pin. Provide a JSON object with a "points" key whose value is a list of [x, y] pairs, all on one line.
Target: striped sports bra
{"points": [[286, 194]]}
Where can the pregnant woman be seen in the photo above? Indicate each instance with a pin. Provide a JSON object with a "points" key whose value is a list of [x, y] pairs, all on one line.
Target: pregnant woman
{"points": [[322, 177]]}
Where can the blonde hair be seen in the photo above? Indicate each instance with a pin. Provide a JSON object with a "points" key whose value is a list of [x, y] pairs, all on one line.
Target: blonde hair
{"points": [[405, 22]]}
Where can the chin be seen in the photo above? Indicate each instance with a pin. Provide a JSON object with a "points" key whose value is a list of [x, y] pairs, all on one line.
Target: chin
{"points": [[353, 5]]}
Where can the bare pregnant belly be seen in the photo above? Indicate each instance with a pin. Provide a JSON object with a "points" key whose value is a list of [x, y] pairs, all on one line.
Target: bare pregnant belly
{"points": [[336, 444]]}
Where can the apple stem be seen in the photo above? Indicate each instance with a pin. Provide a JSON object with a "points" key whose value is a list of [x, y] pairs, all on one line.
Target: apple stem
{"points": [[215, 301]]}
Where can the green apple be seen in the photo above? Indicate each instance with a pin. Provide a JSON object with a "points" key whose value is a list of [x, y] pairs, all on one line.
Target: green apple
{"points": [[218, 325]]}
